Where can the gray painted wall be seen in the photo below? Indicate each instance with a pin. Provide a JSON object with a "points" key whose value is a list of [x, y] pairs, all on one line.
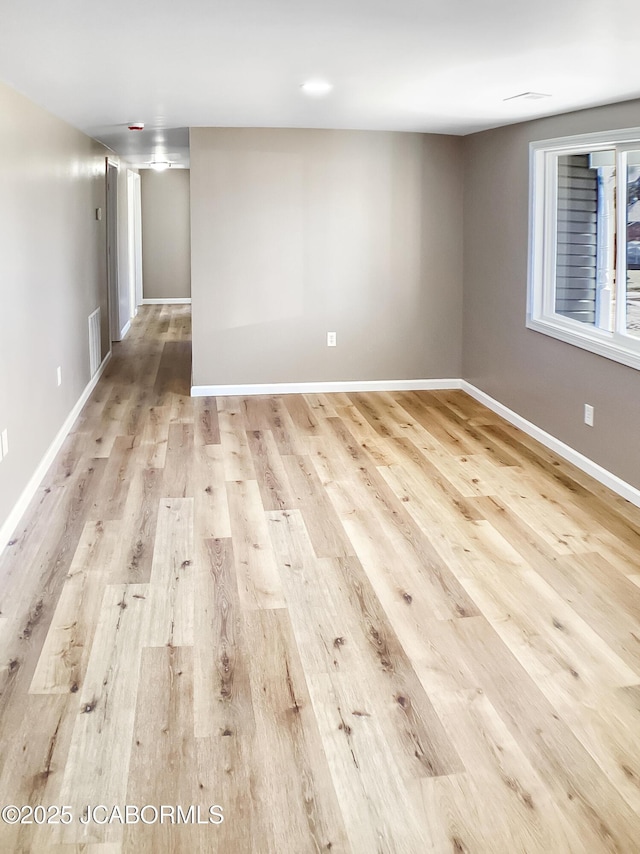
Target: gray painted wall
{"points": [[541, 378], [299, 232], [166, 240], [52, 276]]}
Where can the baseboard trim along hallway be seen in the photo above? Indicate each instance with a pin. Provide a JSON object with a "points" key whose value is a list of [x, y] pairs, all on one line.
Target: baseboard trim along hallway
{"points": [[167, 301], [13, 519], [324, 387]]}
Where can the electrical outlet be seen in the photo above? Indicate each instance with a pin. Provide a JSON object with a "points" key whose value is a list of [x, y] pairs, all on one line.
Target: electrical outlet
{"points": [[4, 443], [588, 415], [59, 376], [331, 339]]}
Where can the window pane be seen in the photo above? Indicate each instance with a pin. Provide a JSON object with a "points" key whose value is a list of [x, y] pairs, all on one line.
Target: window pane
{"points": [[585, 240], [633, 244]]}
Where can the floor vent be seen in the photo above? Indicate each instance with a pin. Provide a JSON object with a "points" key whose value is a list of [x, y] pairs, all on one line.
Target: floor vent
{"points": [[94, 341]]}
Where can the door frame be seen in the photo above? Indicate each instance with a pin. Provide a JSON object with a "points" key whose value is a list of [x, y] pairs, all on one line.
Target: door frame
{"points": [[113, 290], [135, 240]]}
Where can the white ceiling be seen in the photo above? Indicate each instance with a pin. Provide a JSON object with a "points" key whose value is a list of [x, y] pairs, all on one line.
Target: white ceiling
{"points": [[409, 65]]}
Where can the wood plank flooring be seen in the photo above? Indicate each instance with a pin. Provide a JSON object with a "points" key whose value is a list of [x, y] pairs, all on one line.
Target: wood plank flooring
{"points": [[365, 623]]}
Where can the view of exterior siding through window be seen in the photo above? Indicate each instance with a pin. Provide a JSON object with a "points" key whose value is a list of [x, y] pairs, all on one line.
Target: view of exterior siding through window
{"points": [[577, 238], [633, 245]]}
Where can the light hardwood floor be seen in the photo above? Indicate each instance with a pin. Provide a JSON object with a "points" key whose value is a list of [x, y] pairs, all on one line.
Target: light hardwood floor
{"points": [[358, 623]]}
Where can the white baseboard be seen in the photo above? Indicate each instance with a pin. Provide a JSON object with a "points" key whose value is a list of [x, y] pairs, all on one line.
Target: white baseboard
{"points": [[13, 519], [167, 301], [585, 464], [322, 388], [126, 328]]}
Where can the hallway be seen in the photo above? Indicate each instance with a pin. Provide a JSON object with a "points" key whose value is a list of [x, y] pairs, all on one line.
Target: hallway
{"points": [[383, 622]]}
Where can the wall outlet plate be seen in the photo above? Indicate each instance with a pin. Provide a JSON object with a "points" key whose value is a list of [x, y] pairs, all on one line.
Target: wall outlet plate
{"points": [[588, 415], [331, 339]]}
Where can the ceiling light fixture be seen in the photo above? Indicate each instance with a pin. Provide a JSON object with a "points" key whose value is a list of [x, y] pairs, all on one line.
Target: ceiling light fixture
{"points": [[159, 165], [316, 88], [527, 96]]}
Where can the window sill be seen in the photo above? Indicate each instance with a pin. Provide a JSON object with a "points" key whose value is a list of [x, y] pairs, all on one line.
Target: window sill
{"points": [[602, 346]]}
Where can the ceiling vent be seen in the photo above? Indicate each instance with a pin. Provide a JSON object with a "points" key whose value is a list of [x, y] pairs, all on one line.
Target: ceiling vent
{"points": [[527, 96]]}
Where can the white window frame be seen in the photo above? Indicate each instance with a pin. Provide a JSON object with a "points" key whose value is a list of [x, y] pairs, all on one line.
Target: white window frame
{"points": [[541, 314]]}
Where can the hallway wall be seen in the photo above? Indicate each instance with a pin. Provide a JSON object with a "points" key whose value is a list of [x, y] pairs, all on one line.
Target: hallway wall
{"points": [[166, 235], [52, 277]]}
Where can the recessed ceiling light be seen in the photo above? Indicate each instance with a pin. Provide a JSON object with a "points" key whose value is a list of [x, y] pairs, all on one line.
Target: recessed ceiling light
{"points": [[316, 88], [527, 96]]}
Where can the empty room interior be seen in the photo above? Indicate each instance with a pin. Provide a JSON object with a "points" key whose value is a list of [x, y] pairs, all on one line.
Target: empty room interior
{"points": [[319, 425]]}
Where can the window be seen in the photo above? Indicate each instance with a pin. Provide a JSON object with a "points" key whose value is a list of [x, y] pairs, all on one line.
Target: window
{"points": [[584, 242]]}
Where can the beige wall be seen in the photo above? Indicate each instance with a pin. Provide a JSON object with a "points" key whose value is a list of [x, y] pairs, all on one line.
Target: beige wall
{"points": [[299, 232], [52, 276], [541, 378], [166, 238]]}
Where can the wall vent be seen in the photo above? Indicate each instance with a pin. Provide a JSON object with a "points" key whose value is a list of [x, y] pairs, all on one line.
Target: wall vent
{"points": [[95, 344]]}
